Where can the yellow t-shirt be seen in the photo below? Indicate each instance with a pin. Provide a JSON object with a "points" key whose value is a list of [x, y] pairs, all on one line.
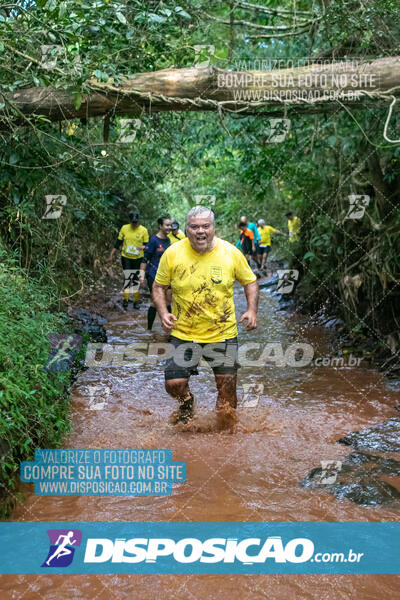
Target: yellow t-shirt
{"points": [[176, 237], [202, 289], [294, 228], [265, 234], [131, 238]]}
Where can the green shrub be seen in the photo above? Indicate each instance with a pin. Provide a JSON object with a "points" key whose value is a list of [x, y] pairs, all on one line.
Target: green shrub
{"points": [[33, 402]]}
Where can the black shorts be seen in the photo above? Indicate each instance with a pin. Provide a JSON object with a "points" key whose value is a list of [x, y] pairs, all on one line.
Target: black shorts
{"points": [[221, 356], [131, 263], [246, 246], [131, 268], [264, 249]]}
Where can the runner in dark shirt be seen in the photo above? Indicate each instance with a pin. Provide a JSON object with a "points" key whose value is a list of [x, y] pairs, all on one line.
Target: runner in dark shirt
{"points": [[246, 239], [153, 251]]}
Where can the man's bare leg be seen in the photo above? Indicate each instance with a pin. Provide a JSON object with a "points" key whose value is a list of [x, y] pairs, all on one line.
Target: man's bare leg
{"points": [[226, 400], [179, 390], [264, 260]]}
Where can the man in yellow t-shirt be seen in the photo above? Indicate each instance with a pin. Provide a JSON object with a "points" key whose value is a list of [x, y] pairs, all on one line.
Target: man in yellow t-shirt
{"points": [[131, 241], [176, 234], [265, 241], [293, 226], [201, 270]]}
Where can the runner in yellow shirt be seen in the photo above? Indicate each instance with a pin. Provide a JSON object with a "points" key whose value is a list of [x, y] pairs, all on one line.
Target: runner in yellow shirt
{"points": [[293, 226], [131, 241], [176, 234], [265, 243], [202, 270]]}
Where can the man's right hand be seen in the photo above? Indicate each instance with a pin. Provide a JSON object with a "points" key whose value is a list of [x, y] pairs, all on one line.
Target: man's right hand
{"points": [[167, 321], [251, 317]]}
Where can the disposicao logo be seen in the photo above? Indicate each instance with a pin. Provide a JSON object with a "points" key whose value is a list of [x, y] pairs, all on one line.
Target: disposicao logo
{"points": [[190, 550], [62, 547]]}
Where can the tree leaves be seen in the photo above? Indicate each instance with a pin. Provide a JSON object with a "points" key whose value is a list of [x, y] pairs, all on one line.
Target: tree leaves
{"points": [[332, 140], [154, 18], [77, 100], [182, 13], [51, 5], [62, 10], [121, 18], [101, 75]]}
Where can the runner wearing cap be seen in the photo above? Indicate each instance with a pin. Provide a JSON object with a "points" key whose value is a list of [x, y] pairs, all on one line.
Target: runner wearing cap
{"points": [[176, 234], [131, 241], [265, 243]]}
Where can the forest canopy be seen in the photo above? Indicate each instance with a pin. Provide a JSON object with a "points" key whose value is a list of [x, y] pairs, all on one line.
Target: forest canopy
{"points": [[71, 72]]}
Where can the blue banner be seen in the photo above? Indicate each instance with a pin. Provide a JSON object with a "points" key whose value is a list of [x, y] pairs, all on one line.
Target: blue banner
{"points": [[200, 548], [103, 472]]}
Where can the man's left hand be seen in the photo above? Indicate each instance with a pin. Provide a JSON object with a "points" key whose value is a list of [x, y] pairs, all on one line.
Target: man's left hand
{"points": [[251, 317]]}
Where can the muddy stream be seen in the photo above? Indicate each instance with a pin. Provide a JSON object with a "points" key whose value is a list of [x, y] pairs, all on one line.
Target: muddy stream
{"points": [[253, 474]]}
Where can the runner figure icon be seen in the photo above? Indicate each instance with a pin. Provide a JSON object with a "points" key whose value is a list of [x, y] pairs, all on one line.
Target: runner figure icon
{"points": [[287, 280], [62, 549]]}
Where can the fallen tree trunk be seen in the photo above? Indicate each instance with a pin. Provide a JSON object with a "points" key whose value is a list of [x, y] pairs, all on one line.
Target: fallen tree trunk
{"points": [[309, 89]]}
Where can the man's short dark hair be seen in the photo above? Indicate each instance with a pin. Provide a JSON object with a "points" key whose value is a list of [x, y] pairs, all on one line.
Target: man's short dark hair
{"points": [[161, 220], [289, 214], [134, 216]]}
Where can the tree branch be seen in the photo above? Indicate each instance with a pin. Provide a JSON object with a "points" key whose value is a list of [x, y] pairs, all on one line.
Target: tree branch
{"points": [[277, 35], [272, 11], [211, 89], [257, 26]]}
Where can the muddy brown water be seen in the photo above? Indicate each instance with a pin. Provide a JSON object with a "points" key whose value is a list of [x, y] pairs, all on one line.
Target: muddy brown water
{"points": [[252, 474]]}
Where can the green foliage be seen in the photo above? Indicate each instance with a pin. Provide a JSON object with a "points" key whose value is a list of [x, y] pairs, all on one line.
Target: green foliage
{"points": [[33, 402]]}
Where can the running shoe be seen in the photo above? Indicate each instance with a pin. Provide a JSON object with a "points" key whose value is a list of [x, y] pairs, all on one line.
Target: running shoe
{"points": [[185, 411]]}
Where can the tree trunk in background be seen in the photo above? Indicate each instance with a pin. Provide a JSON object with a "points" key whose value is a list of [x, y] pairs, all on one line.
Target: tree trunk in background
{"points": [[387, 192], [197, 89]]}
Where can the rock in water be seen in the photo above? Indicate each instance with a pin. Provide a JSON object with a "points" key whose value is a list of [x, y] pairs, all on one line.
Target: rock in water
{"points": [[272, 282], [377, 464], [286, 303], [87, 322], [383, 437], [357, 478], [368, 493]]}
